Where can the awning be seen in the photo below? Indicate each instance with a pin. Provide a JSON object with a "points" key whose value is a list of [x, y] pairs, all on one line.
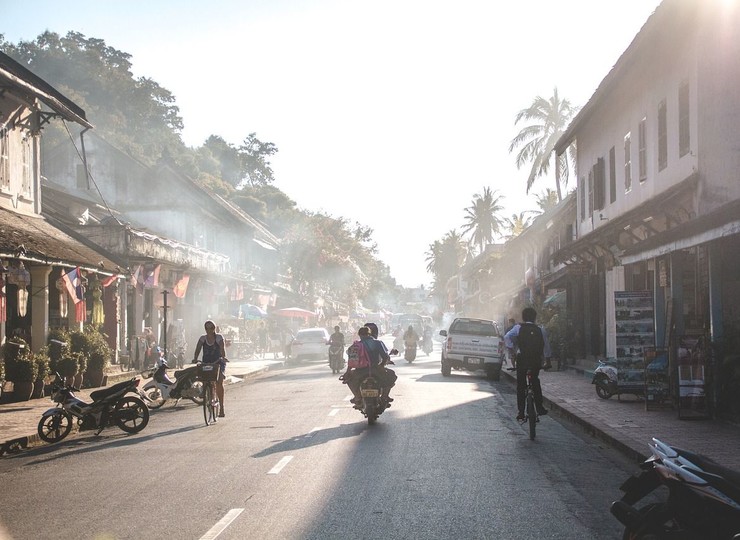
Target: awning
{"points": [[264, 244], [32, 238]]}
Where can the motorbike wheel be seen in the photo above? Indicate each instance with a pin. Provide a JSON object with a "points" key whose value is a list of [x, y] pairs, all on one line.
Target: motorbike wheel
{"points": [[55, 427], [372, 414], [199, 399], [648, 531], [602, 391], [156, 399], [131, 414]]}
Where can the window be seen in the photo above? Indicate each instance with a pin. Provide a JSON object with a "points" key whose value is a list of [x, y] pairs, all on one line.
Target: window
{"points": [[590, 191], [612, 176], [4, 159], [26, 162], [599, 184], [627, 162], [582, 191], [684, 135], [642, 146], [662, 136]]}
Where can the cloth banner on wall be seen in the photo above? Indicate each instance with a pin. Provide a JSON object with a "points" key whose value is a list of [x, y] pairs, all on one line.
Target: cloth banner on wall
{"points": [[181, 287], [73, 282], [152, 276]]}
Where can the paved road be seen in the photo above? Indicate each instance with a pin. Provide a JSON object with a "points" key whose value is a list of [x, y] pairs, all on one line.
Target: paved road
{"points": [[294, 460]]}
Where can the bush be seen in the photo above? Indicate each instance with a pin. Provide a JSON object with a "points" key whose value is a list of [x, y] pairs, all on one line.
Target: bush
{"points": [[56, 343], [22, 369], [42, 365], [69, 364], [95, 352]]}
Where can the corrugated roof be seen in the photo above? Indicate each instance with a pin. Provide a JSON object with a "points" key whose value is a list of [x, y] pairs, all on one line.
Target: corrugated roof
{"points": [[33, 238]]}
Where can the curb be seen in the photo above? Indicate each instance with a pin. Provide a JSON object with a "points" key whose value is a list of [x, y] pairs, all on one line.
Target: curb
{"points": [[14, 446], [589, 427]]}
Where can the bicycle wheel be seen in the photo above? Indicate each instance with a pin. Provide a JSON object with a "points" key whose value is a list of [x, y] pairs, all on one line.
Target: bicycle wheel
{"points": [[215, 404], [531, 415], [207, 402]]}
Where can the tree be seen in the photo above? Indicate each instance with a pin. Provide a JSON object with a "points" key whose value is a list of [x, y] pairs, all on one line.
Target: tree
{"points": [[536, 141], [445, 258], [517, 223], [255, 167], [547, 200], [482, 221]]}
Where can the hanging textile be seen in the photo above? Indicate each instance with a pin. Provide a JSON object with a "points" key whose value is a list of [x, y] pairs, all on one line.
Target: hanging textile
{"points": [[19, 276], [62, 291], [98, 315], [3, 301], [181, 286]]}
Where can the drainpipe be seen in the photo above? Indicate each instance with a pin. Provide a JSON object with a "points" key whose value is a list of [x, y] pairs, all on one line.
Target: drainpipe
{"points": [[84, 157]]}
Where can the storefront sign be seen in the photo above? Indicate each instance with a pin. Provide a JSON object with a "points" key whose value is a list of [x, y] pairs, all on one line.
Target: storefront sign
{"points": [[635, 333]]}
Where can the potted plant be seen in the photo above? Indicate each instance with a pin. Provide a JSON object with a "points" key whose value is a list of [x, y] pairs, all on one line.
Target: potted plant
{"points": [[68, 366], [42, 365], [22, 372], [97, 362], [95, 352], [56, 342]]}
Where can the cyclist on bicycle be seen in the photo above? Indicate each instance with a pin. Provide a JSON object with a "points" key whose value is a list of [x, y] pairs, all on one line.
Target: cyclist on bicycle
{"points": [[531, 340], [214, 351]]}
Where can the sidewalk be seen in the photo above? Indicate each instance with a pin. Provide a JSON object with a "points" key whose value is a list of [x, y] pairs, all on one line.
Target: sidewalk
{"points": [[18, 421], [627, 426]]}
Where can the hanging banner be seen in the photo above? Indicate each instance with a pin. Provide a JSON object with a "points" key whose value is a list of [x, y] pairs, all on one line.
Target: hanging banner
{"points": [[635, 333], [73, 282], [181, 287]]}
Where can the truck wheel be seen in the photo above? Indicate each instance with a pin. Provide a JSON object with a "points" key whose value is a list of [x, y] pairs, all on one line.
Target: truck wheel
{"points": [[446, 369], [493, 374]]}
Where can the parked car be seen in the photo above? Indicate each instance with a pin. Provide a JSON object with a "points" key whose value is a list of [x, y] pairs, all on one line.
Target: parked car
{"points": [[472, 345], [310, 343]]}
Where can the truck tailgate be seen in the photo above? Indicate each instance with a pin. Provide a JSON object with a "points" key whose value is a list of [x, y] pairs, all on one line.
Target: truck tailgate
{"points": [[474, 345]]}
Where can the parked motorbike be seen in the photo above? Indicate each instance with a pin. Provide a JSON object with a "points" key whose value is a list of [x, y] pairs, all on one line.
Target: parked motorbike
{"points": [[336, 357], [703, 498], [161, 387], [605, 379], [110, 406], [409, 353]]}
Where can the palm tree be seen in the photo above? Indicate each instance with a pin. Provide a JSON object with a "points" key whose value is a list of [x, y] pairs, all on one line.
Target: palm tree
{"points": [[517, 223], [536, 141], [444, 259], [481, 218], [547, 200]]}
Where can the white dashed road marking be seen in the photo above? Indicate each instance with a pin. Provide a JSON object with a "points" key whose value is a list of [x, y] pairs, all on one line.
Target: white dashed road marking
{"points": [[333, 412], [224, 522], [279, 467]]}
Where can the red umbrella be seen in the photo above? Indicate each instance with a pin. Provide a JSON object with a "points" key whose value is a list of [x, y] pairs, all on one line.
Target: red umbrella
{"points": [[294, 312]]}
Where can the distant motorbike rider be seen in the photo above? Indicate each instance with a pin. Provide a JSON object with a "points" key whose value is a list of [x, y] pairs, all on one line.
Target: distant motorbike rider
{"points": [[410, 338], [337, 338], [534, 348]]}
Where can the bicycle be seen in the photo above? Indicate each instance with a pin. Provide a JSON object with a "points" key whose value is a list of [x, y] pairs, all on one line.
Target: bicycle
{"points": [[208, 374], [530, 411]]}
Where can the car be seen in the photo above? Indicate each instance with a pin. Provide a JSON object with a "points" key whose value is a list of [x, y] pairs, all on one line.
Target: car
{"points": [[310, 343], [472, 345]]}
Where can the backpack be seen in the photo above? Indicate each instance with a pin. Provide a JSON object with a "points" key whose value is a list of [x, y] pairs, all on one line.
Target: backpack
{"points": [[358, 355], [531, 343]]}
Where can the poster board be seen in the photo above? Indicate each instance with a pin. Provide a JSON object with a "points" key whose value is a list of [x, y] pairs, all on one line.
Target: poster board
{"points": [[693, 358], [635, 322]]}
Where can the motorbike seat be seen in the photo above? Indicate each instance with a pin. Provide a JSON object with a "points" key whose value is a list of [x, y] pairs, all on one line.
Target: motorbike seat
{"points": [[180, 373], [731, 478], [103, 393]]}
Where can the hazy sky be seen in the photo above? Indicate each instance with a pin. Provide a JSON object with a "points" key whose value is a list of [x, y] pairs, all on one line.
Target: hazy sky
{"points": [[393, 113]]}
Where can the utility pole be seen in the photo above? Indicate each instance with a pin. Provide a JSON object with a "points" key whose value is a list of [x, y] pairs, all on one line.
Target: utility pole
{"points": [[165, 293]]}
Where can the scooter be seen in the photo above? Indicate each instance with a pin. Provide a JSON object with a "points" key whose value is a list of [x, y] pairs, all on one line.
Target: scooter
{"points": [[409, 354], [161, 388], [110, 406], [703, 498], [336, 357]]}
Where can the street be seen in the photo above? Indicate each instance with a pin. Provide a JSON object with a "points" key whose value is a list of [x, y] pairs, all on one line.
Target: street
{"points": [[292, 459]]}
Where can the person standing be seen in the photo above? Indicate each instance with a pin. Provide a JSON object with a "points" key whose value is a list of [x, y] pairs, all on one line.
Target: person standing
{"points": [[214, 351], [534, 348]]}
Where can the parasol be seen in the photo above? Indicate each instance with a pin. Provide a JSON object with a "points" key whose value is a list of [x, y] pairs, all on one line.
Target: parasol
{"points": [[294, 312]]}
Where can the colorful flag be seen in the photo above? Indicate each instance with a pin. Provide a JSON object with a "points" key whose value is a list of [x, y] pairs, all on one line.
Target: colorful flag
{"points": [[181, 286], [73, 282], [109, 281], [152, 277], [237, 292]]}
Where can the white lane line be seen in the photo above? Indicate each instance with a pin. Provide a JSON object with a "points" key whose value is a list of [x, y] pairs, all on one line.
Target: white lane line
{"points": [[333, 412], [224, 522], [312, 432], [279, 467]]}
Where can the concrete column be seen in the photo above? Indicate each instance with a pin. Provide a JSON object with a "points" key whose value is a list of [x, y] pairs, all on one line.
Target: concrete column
{"points": [[39, 296]]}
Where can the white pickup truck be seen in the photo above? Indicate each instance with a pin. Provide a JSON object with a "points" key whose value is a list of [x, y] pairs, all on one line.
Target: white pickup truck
{"points": [[473, 345]]}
